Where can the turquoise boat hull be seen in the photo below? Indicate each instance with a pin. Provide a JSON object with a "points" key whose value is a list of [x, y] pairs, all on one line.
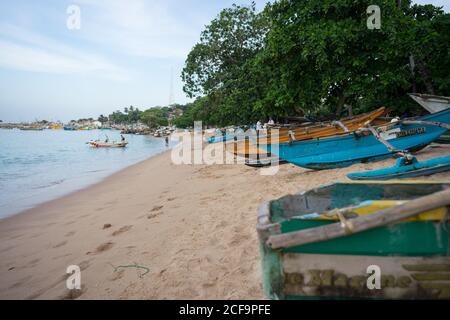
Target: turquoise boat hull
{"points": [[402, 170], [348, 149]]}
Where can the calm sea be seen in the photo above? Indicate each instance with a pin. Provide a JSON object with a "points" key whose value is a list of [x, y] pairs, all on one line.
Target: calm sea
{"points": [[37, 166]]}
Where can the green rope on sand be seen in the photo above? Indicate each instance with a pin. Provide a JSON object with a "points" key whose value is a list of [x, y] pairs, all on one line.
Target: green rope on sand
{"points": [[132, 266]]}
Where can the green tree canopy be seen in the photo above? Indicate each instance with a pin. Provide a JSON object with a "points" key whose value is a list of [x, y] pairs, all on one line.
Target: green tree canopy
{"points": [[154, 117], [316, 56]]}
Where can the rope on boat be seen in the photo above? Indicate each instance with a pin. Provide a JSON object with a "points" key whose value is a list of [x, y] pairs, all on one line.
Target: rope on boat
{"points": [[402, 153]]}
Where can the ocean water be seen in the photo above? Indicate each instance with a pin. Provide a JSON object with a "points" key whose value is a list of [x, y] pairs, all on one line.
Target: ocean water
{"points": [[37, 166]]}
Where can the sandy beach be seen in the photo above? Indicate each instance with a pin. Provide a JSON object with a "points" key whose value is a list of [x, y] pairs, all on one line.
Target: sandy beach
{"points": [[191, 228]]}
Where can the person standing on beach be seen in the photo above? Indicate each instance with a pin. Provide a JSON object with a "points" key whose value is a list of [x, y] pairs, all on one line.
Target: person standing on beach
{"points": [[167, 141]]}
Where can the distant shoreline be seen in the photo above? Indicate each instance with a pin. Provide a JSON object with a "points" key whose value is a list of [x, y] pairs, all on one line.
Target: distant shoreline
{"points": [[82, 189], [42, 166]]}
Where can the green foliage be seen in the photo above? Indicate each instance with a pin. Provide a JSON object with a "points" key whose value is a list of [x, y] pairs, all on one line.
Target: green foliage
{"points": [[218, 66], [128, 116], [154, 117], [102, 119], [315, 57]]}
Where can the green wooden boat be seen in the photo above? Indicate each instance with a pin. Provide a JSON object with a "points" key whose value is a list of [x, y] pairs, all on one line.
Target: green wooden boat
{"points": [[413, 253]]}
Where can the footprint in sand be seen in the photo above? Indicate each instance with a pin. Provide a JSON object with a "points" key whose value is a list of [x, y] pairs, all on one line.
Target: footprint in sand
{"points": [[20, 282], [171, 199], [121, 230], [63, 243], [61, 256], [156, 208], [84, 265], [7, 249], [154, 215], [101, 248], [16, 237], [73, 294], [69, 234], [33, 263]]}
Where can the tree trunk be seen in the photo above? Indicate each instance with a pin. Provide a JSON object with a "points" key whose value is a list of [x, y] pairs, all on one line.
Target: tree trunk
{"points": [[412, 66], [350, 110], [340, 104], [425, 73]]}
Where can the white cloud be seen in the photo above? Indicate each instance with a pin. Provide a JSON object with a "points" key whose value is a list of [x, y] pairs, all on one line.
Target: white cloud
{"points": [[28, 51], [141, 28]]}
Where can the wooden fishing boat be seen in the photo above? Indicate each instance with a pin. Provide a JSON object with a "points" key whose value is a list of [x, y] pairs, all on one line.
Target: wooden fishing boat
{"points": [[99, 144], [306, 131], [247, 148], [326, 243], [324, 129], [405, 168], [364, 145]]}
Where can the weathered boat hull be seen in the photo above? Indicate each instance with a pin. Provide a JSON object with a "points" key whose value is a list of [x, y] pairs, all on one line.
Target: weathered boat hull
{"points": [[431, 103], [412, 255], [345, 150]]}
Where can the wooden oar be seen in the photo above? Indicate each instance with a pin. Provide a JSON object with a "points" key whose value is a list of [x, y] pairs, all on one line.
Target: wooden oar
{"points": [[377, 219]]}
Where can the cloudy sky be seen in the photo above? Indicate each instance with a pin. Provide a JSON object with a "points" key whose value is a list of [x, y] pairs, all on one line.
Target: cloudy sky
{"points": [[124, 53]]}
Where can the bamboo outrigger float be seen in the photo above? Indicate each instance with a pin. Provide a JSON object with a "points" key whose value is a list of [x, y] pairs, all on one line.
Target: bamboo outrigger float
{"points": [[321, 243]]}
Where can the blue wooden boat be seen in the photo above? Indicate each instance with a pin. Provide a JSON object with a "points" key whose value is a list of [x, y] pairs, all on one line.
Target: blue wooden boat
{"points": [[228, 136], [343, 150], [405, 168]]}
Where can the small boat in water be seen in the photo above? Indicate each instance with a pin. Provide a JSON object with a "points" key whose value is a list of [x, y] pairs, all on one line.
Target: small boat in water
{"points": [[323, 243], [100, 144]]}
